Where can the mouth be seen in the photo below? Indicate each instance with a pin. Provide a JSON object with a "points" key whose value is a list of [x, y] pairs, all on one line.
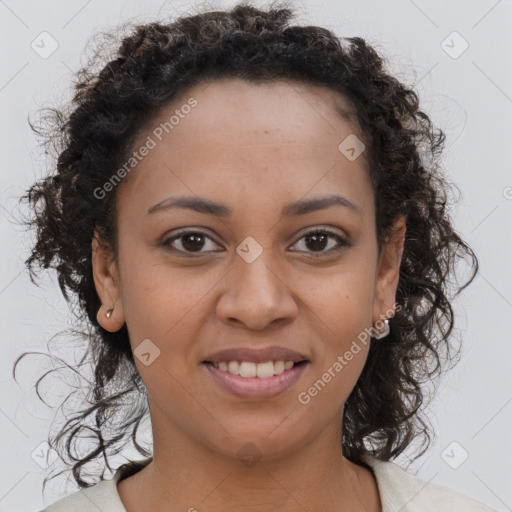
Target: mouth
{"points": [[249, 369], [256, 381]]}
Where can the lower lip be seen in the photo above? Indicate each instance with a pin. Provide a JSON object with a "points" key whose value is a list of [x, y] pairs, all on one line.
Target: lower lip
{"points": [[254, 387]]}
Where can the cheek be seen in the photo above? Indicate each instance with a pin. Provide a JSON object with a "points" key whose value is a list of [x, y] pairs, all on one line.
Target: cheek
{"points": [[340, 356], [165, 305], [342, 305], [326, 393], [149, 288], [155, 304], [342, 299]]}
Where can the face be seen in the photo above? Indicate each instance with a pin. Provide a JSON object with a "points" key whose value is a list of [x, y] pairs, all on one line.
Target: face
{"points": [[255, 273]]}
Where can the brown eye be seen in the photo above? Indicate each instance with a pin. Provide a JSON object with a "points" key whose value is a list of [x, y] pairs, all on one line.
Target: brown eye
{"points": [[188, 242], [316, 241]]}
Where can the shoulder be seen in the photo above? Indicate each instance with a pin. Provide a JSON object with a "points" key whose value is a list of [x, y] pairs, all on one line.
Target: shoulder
{"points": [[402, 491], [101, 496]]}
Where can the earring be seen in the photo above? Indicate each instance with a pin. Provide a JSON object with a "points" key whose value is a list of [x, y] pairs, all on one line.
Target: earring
{"points": [[109, 312], [384, 333]]}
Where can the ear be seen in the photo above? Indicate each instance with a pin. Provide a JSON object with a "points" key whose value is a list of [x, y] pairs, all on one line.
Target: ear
{"points": [[388, 273], [106, 281]]}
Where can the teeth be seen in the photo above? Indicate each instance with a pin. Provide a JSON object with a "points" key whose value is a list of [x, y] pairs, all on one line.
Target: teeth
{"points": [[260, 370]]}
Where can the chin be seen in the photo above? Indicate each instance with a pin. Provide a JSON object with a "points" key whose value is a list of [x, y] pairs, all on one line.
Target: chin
{"points": [[258, 445]]}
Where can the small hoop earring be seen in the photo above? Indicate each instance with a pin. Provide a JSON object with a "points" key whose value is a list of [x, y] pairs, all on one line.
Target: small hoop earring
{"points": [[109, 312], [384, 333]]}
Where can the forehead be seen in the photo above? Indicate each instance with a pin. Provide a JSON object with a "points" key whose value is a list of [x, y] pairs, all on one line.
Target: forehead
{"points": [[290, 112], [241, 138]]}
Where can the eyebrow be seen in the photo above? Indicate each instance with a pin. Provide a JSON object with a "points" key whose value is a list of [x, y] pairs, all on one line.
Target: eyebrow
{"points": [[296, 208]]}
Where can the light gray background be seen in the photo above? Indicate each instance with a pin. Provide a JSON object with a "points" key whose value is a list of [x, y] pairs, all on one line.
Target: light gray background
{"points": [[469, 96]]}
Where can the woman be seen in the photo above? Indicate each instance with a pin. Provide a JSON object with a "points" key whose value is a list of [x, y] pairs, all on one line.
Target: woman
{"points": [[252, 218]]}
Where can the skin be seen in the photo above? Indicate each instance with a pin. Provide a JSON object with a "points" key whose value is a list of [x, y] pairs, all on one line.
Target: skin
{"points": [[254, 148]]}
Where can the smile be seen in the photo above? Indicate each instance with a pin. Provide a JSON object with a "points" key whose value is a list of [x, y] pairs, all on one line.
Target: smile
{"points": [[253, 380], [250, 369]]}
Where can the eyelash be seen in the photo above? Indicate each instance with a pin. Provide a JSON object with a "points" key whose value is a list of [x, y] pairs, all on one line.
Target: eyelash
{"points": [[332, 234]]}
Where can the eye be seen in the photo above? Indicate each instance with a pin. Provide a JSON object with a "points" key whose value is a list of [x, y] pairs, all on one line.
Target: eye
{"points": [[193, 241], [190, 241], [318, 239]]}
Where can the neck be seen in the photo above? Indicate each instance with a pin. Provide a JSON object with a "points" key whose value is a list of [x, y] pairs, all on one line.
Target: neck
{"points": [[187, 475]]}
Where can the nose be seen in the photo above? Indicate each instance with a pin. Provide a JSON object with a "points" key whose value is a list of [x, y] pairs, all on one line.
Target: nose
{"points": [[256, 295]]}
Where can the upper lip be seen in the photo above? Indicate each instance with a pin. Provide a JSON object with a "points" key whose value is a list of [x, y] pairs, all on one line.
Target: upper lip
{"points": [[260, 355]]}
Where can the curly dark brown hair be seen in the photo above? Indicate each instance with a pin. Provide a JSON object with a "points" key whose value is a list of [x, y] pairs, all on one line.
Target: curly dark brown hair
{"points": [[95, 132]]}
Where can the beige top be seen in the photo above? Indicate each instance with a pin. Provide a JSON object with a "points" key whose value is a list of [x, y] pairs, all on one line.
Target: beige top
{"points": [[399, 492]]}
